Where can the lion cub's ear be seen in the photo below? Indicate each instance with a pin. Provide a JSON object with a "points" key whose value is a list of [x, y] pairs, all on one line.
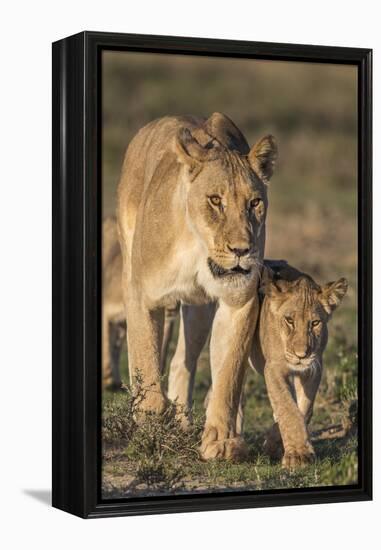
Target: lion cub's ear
{"points": [[276, 293], [267, 276], [274, 289], [190, 152], [263, 156], [331, 294]]}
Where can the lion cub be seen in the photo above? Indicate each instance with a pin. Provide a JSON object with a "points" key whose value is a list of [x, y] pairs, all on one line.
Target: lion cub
{"points": [[288, 349]]}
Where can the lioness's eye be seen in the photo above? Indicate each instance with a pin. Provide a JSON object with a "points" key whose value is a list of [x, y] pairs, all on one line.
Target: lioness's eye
{"points": [[316, 322], [290, 321], [215, 200], [254, 203]]}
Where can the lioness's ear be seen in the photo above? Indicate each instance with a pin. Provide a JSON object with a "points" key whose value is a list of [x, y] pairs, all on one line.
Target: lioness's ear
{"points": [[263, 156], [331, 294], [189, 151]]}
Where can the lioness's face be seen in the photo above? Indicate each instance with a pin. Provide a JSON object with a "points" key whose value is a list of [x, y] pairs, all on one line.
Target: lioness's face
{"points": [[226, 203], [227, 207], [302, 310]]}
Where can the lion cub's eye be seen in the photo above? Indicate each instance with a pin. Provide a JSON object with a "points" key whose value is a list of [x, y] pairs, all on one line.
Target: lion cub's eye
{"points": [[289, 321], [215, 200], [255, 202], [316, 322]]}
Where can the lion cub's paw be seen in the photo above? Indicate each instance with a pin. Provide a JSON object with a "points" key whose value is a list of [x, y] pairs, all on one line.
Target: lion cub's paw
{"points": [[232, 448], [298, 458]]}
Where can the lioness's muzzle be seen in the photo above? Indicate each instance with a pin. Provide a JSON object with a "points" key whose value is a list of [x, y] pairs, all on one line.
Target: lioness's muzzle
{"points": [[219, 271]]}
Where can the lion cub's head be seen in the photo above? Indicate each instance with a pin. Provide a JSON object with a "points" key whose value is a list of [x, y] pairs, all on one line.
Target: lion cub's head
{"points": [[300, 310], [226, 196]]}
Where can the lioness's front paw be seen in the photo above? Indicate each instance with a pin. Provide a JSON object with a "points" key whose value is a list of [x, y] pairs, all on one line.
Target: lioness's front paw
{"points": [[153, 402], [231, 448], [184, 418], [297, 458]]}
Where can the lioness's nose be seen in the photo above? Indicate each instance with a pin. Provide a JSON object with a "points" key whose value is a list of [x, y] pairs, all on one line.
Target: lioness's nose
{"points": [[239, 251]]}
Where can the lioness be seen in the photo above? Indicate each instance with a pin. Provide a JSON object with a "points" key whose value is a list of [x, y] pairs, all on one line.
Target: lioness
{"points": [[113, 316], [192, 203], [113, 313], [288, 349]]}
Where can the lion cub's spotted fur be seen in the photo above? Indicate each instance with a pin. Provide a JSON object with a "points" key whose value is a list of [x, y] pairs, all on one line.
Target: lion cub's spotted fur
{"points": [[288, 349]]}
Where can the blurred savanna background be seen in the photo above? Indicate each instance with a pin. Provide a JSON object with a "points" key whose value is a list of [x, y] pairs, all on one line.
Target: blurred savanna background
{"points": [[311, 109]]}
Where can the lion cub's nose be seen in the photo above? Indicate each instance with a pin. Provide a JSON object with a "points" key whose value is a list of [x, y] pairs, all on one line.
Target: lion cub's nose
{"points": [[301, 353], [239, 251]]}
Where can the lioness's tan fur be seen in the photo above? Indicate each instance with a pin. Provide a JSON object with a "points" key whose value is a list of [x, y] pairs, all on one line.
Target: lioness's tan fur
{"points": [[113, 315], [179, 242], [113, 312]]}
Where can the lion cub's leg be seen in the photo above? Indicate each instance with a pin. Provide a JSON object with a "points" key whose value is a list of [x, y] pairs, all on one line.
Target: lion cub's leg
{"points": [[195, 323], [144, 338], [273, 445], [292, 426], [231, 337], [306, 387]]}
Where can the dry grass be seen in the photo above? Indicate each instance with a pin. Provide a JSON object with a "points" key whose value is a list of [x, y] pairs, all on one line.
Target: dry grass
{"points": [[156, 456]]}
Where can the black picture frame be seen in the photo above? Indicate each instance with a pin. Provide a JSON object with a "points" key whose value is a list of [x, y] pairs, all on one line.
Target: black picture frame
{"points": [[77, 272]]}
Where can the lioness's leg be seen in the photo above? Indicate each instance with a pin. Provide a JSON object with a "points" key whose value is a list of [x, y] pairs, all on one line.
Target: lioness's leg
{"points": [[169, 321], [273, 445], [195, 323], [241, 406], [144, 337], [107, 378], [297, 447], [117, 331], [231, 336], [306, 387], [240, 412]]}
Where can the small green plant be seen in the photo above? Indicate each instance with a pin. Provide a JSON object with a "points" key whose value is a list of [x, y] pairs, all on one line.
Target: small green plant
{"points": [[158, 446], [120, 414]]}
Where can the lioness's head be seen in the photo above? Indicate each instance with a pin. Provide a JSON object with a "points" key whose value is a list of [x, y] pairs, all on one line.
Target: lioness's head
{"points": [[301, 310], [226, 197]]}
